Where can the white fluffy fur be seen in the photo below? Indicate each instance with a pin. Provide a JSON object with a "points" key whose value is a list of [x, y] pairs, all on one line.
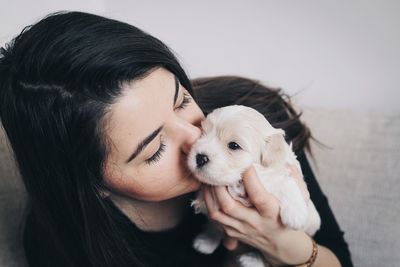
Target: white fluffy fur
{"points": [[261, 145]]}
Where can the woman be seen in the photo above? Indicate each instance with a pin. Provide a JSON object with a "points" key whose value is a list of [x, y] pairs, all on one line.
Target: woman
{"points": [[101, 117]]}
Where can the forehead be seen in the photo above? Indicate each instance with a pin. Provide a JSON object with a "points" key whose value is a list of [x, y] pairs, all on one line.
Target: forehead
{"points": [[139, 111]]}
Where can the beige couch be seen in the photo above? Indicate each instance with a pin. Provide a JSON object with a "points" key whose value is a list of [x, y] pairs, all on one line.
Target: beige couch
{"points": [[359, 174]]}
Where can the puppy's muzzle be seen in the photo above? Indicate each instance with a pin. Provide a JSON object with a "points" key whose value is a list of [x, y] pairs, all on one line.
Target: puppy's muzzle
{"points": [[201, 160]]}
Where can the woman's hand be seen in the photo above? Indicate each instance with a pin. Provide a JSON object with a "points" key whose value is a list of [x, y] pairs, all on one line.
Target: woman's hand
{"points": [[258, 226]]}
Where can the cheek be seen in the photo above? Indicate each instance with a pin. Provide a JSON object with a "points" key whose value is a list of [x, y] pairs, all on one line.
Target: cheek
{"points": [[150, 186], [160, 181], [156, 182], [153, 188]]}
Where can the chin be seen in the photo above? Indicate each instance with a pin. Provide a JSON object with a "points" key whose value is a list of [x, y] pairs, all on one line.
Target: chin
{"points": [[196, 186], [192, 185]]}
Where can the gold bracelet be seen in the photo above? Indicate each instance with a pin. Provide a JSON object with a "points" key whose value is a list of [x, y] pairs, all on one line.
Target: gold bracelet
{"points": [[314, 253]]}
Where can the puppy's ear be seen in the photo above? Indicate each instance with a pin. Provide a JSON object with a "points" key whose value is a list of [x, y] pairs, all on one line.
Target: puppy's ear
{"points": [[273, 151]]}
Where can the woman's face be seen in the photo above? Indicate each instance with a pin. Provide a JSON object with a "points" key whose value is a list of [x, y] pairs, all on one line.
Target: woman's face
{"points": [[159, 170]]}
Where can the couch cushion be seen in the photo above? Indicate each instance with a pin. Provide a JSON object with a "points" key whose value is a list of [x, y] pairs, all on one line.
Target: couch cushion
{"points": [[360, 175]]}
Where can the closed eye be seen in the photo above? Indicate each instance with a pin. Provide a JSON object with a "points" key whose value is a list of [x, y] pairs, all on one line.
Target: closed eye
{"points": [[186, 100], [156, 157]]}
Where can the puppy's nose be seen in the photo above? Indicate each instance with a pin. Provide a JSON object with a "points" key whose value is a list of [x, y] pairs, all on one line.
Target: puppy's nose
{"points": [[201, 159]]}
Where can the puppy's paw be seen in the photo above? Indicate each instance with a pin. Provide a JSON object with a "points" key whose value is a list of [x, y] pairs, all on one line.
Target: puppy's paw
{"points": [[294, 211], [199, 206], [251, 259], [314, 220], [294, 215], [205, 244]]}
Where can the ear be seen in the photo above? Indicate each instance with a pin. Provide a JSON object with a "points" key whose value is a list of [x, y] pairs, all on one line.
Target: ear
{"points": [[273, 151], [103, 191]]}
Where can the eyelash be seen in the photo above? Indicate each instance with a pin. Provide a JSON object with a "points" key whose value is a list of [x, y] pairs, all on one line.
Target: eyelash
{"points": [[185, 102], [156, 157]]}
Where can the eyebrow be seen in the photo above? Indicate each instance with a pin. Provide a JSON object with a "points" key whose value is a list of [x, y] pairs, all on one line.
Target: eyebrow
{"points": [[143, 144]]}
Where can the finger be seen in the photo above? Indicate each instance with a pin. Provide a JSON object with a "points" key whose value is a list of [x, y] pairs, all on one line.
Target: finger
{"points": [[231, 232], [266, 204], [216, 215], [232, 207], [230, 243], [211, 205], [298, 177]]}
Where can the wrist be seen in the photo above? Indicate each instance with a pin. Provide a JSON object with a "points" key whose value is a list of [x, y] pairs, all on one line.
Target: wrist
{"points": [[294, 247], [313, 256]]}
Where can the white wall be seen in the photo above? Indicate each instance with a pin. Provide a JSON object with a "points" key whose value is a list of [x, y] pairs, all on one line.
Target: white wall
{"points": [[342, 54], [16, 14]]}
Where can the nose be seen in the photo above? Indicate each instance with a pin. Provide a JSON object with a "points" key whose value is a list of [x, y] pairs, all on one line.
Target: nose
{"points": [[201, 159], [191, 133]]}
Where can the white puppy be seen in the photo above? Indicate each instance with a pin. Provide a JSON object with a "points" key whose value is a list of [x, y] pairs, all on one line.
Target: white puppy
{"points": [[233, 138]]}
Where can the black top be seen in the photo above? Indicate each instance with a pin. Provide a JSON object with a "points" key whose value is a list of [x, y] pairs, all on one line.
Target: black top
{"points": [[174, 246]]}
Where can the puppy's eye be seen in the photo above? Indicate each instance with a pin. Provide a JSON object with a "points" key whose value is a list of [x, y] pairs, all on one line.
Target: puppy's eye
{"points": [[233, 146]]}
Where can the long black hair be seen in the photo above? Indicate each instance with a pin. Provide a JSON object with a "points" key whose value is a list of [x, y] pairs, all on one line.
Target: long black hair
{"points": [[57, 79]]}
